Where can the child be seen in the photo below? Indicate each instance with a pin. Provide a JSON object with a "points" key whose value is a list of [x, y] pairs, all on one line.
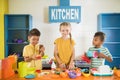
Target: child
{"points": [[103, 53], [64, 47], [33, 52]]}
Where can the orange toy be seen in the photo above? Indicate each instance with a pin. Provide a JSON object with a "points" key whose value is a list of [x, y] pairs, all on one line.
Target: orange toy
{"points": [[7, 69], [63, 74], [117, 73], [0, 69]]}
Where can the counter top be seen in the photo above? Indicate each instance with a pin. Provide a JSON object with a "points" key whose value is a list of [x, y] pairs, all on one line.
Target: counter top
{"points": [[57, 77]]}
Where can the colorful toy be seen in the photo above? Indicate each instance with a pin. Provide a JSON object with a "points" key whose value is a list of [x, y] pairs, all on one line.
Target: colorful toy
{"points": [[77, 70], [38, 56], [72, 74], [30, 76], [117, 73], [63, 74], [103, 70], [38, 71], [17, 41], [85, 72], [86, 59], [92, 54], [24, 69]]}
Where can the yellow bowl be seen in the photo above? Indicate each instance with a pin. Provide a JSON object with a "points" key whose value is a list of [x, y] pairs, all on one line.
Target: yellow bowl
{"points": [[85, 74]]}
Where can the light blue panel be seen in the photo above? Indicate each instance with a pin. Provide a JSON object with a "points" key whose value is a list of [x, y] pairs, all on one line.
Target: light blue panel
{"points": [[109, 23], [64, 2], [115, 63], [109, 20], [64, 14], [111, 35], [113, 48]]}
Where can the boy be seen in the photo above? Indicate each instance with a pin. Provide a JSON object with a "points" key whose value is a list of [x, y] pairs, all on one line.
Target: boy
{"points": [[103, 53], [33, 51]]}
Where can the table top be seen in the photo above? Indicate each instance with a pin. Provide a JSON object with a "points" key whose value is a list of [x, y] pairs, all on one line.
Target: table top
{"points": [[57, 77]]}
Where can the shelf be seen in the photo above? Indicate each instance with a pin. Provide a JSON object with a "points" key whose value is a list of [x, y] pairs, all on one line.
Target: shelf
{"points": [[110, 28], [109, 23], [17, 43], [18, 28], [112, 42], [116, 57]]}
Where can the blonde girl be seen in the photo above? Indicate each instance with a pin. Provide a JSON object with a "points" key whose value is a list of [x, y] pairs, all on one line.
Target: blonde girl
{"points": [[64, 51]]}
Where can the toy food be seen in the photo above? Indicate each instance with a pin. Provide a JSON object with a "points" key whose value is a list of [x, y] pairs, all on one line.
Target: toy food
{"points": [[38, 56], [38, 71], [63, 74], [72, 74], [78, 72], [85, 58], [92, 54]]}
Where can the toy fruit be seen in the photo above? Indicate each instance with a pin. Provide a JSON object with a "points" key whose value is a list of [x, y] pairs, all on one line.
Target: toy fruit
{"points": [[72, 74], [38, 56], [78, 73], [63, 74], [77, 70], [38, 71], [57, 72]]}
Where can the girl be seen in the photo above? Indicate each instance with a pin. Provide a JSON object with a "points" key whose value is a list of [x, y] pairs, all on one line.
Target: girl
{"points": [[64, 51]]}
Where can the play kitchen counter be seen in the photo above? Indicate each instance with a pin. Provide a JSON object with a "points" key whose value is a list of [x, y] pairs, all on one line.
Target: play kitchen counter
{"points": [[58, 77]]}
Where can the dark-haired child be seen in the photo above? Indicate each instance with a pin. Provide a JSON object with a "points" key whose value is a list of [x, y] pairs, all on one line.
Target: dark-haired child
{"points": [[103, 53], [33, 52]]}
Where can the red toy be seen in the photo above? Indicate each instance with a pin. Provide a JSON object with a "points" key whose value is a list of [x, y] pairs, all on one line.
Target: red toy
{"points": [[85, 58]]}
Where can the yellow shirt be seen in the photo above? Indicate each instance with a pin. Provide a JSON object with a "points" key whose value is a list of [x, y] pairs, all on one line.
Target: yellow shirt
{"points": [[65, 49], [30, 50]]}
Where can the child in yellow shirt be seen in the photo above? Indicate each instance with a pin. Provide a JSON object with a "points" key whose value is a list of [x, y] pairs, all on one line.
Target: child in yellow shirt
{"points": [[64, 51], [33, 52]]}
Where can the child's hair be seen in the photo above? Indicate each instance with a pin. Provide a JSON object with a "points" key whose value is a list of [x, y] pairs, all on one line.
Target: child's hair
{"points": [[34, 32], [67, 25], [101, 35]]}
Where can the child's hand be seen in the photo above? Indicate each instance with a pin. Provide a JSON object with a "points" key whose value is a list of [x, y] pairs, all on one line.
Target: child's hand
{"points": [[34, 57], [71, 66], [101, 55], [42, 49], [62, 66]]}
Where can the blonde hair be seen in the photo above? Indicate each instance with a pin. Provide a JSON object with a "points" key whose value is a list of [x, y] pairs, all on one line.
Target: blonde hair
{"points": [[67, 24]]}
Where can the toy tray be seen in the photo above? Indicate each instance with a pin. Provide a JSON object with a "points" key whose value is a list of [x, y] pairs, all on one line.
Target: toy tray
{"points": [[96, 73]]}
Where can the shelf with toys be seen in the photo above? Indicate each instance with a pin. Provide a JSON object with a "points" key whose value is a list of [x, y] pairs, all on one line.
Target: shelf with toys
{"points": [[17, 27]]}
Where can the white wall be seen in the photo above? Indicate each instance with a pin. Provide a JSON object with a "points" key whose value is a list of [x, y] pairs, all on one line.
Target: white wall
{"points": [[82, 32]]}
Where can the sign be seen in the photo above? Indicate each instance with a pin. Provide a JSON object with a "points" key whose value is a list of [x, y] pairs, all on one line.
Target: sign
{"points": [[64, 13]]}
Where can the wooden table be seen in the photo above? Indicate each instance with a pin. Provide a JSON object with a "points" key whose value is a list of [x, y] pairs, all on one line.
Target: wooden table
{"points": [[51, 77]]}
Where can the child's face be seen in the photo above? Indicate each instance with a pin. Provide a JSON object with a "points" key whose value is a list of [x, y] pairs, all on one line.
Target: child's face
{"points": [[97, 41], [33, 40], [65, 30]]}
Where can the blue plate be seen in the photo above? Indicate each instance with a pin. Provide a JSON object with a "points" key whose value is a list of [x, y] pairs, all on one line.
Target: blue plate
{"points": [[30, 76]]}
